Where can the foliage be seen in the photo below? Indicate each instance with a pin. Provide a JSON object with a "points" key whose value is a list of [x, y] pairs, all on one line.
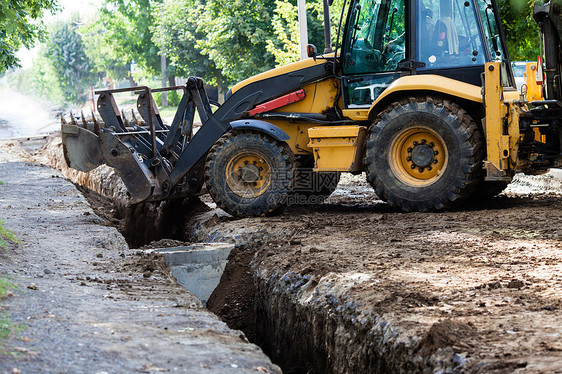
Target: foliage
{"points": [[521, 30], [73, 68], [125, 34], [176, 32], [104, 56], [237, 32], [19, 27], [286, 46], [6, 236]]}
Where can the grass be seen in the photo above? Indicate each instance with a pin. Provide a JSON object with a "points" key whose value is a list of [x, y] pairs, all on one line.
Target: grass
{"points": [[6, 236], [5, 287], [6, 324]]}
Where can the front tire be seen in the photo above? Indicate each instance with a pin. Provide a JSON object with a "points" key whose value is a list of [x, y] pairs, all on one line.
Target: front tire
{"points": [[423, 153], [249, 174]]}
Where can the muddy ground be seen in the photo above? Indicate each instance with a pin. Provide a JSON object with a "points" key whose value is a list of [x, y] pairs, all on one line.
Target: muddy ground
{"points": [[355, 286]]}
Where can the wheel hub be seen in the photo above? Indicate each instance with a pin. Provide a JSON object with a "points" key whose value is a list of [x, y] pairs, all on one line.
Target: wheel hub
{"points": [[418, 156], [422, 155], [250, 173]]}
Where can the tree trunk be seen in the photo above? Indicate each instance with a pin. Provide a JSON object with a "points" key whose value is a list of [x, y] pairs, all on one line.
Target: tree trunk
{"points": [[132, 83], [163, 72], [220, 93]]}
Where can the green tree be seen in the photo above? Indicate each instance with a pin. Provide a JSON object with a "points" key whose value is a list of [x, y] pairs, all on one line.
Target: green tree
{"points": [[521, 30], [19, 27], [126, 33], [285, 46], [104, 56], [237, 32], [176, 33], [73, 68]]}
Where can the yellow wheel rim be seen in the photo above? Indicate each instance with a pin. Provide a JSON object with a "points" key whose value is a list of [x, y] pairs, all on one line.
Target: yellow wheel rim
{"points": [[248, 174], [418, 156]]}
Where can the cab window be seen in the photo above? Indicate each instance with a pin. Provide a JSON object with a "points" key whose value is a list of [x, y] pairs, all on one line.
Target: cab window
{"points": [[375, 40], [448, 34]]}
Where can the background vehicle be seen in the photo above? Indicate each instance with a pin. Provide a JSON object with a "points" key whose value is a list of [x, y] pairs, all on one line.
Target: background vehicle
{"points": [[520, 72], [420, 96]]}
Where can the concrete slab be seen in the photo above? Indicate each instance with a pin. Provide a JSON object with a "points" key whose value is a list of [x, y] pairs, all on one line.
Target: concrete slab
{"points": [[198, 267]]}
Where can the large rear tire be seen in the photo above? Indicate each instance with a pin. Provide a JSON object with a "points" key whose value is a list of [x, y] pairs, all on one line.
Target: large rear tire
{"points": [[249, 174], [423, 153]]}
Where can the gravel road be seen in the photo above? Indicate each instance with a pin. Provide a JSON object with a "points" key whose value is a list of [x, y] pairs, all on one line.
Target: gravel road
{"points": [[86, 304]]}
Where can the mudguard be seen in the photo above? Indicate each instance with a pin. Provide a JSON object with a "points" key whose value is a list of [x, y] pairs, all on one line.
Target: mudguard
{"points": [[260, 126]]}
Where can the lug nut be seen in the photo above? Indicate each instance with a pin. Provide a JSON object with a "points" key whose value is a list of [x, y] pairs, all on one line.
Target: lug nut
{"points": [[408, 158], [413, 167], [410, 149], [431, 145], [423, 141], [429, 168], [421, 170], [435, 161], [415, 143], [245, 162], [261, 169], [435, 153], [255, 184], [255, 162]]}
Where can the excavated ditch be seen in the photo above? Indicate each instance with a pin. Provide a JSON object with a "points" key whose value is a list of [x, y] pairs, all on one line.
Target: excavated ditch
{"points": [[318, 298]]}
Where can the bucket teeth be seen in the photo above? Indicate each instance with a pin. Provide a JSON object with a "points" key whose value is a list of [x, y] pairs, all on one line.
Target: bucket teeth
{"points": [[72, 119], [125, 120], [84, 122], [62, 120], [96, 124], [135, 119]]}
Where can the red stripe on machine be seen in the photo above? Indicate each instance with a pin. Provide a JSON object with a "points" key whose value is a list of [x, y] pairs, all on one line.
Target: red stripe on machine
{"points": [[293, 97]]}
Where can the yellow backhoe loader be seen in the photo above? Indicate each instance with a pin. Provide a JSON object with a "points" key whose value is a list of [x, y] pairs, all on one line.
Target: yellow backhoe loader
{"points": [[417, 93]]}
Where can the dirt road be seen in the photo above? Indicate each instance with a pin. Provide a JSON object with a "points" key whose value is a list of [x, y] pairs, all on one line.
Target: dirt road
{"points": [[86, 303]]}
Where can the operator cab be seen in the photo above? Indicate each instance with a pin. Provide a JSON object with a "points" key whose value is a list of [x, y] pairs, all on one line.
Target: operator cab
{"points": [[387, 39]]}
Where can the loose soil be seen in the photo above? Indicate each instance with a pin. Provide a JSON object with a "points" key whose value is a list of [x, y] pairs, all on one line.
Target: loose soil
{"points": [[482, 281], [471, 290]]}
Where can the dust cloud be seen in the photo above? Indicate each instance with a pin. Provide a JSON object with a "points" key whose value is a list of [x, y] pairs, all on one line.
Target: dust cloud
{"points": [[22, 116]]}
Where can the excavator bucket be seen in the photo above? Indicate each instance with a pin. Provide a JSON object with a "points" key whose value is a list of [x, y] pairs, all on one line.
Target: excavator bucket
{"points": [[81, 148], [142, 149], [85, 151]]}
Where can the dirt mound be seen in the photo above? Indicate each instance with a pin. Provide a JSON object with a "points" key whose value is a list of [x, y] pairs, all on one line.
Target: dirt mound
{"points": [[448, 333]]}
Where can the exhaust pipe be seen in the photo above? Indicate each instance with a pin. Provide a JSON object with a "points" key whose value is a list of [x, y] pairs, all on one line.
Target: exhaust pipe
{"points": [[327, 27]]}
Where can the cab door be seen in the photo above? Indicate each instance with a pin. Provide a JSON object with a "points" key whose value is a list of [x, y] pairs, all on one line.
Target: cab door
{"points": [[374, 49]]}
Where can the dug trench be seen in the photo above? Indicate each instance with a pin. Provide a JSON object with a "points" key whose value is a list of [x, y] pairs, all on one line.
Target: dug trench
{"points": [[352, 286]]}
